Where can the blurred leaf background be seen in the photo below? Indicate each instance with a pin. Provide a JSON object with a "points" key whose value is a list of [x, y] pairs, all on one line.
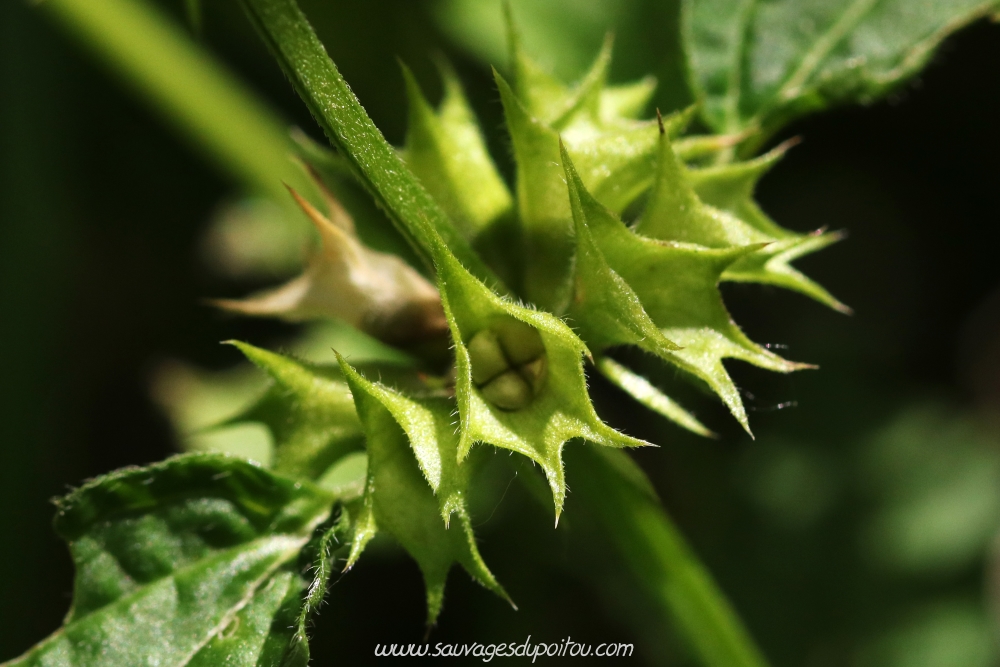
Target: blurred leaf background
{"points": [[859, 527]]}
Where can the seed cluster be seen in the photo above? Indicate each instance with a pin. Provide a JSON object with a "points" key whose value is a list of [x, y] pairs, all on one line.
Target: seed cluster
{"points": [[508, 363]]}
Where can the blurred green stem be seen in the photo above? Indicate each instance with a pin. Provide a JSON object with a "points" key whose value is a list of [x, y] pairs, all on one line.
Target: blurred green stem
{"points": [[187, 86], [621, 498], [193, 10]]}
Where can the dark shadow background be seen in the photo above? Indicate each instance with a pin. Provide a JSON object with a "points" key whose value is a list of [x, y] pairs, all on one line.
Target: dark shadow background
{"points": [[101, 208]]}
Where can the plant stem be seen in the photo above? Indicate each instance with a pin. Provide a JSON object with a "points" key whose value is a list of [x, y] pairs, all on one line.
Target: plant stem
{"points": [[622, 499], [292, 41]]}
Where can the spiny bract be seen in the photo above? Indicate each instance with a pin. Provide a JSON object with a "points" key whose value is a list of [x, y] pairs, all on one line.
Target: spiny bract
{"points": [[565, 280]]}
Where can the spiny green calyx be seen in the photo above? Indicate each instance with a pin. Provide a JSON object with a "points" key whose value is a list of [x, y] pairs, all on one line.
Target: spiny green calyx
{"points": [[560, 409], [559, 279], [414, 500]]}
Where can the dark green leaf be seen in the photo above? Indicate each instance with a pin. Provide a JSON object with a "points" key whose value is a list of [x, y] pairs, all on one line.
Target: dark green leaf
{"points": [[261, 634], [541, 202], [171, 557], [607, 311], [758, 64]]}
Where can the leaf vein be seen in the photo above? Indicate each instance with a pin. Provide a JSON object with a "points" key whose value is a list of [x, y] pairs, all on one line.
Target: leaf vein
{"points": [[734, 86], [821, 48]]}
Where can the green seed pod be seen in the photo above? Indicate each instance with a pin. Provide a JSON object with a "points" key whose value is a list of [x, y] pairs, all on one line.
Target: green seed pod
{"points": [[521, 342], [508, 391], [533, 373], [486, 356], [508, 363]]}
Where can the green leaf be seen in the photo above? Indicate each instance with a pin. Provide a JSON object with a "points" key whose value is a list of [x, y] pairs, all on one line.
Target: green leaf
{"points": [[615, 153], [173, 556], [318, 82], [520, 381], [563, 35], [271, 630], [675, 212], [309, 411], [621, 498], [772, 266], [730, 187], [627, 101], [261, 634], [615, 156], [616, 163], [760, 64], [700, 148], [447, 152], [641, 390], [416, 484], [676, 285], [558, 105]]}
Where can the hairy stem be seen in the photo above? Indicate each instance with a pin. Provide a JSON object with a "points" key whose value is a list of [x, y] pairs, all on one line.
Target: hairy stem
{"points": [[303, 58]]}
